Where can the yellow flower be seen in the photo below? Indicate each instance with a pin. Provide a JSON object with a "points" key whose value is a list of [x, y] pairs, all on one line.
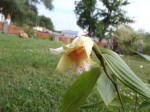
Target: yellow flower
{"points": [[77, 53]]}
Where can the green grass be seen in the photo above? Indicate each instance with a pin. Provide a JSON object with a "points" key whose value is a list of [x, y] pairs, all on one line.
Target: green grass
{"points": [[28, 82], [135, 62], [27, 77]]}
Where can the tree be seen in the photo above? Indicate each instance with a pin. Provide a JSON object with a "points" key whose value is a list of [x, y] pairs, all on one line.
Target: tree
{"points": [[128, 38], [10, 6], [125, 33], [23, 11], [24, 15], [112, 14], [46, 22], [86, 17], [101, 20], [47, 3]]}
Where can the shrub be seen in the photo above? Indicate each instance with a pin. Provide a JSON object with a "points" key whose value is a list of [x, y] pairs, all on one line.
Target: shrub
{"points": [[146, 50], [51, 37], [29, 31]]}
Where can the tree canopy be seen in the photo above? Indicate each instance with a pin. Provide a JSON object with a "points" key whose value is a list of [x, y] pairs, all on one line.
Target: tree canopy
{"points": [[45, 22], [23, 12], [86, 17], [47, 3], [101, 15]]}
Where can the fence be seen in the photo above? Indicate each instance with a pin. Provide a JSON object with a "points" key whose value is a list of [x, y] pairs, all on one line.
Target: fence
{"points": [[65, 39], [1, 26], [15, 30], [12, 29], [43, 35]]}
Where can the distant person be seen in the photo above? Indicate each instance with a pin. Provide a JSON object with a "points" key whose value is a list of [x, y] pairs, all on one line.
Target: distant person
{"points": [[140, 47], [116, 47], [1, 15], [8, 19], [6, 23]]}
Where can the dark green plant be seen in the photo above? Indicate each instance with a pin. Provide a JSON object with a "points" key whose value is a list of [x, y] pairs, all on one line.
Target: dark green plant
{"points": [[85, 11], [29, 31], [45, 22]]}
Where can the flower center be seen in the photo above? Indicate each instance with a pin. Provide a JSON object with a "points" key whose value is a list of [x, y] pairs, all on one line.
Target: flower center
{"points": [[78, 55]]}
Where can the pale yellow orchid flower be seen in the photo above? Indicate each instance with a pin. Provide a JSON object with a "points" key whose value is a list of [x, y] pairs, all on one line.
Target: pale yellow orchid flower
{"points": [[77, 53]]}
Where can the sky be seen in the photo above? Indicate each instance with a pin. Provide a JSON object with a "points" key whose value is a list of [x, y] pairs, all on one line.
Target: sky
{"points": [[64, 18]]}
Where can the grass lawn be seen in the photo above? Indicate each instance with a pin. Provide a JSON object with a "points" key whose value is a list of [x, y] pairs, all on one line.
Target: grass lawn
{"points": [[27, 79]]}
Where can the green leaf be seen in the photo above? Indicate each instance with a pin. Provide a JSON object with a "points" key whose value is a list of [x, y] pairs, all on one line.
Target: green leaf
{"points": [[142, 55], [145, 104], [92, 105], [122, 71], [148, 85], [125, 99], [106, 89], [79, 90]]}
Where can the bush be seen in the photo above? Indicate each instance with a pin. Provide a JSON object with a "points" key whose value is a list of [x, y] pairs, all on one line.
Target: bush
{"points": [[51, 37], [126, 37], [146, 48], [29, 31]]}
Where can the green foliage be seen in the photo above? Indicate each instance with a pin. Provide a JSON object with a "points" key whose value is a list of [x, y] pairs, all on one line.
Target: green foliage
{"points": [[23, 12], [146, 44], [45, 22], [126, 37], [26, 75], [28, 81], [125, 99], [29, 31], [113, 14], [85, 10], [91, 105], [125, 33], [124, 73], [51, 37], [20, 11], [129, 39], [48, 4], [106, 89], [32, 92], [100, 20], [145, 104], [80, 90], [143, 55]]}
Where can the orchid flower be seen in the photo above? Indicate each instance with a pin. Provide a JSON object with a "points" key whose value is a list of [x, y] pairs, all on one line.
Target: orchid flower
{"points": [[77, 53]]}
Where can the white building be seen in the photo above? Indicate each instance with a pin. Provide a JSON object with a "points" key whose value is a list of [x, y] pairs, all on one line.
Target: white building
{"points": [[69, 33]]}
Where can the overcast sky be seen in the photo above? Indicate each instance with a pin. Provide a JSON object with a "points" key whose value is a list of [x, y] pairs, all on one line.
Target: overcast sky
{"points": [[63, 16]]}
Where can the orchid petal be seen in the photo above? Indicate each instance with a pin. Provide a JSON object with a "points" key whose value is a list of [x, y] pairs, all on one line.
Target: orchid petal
{"points": [[67, 48], [88, 43], [63, 64], [57, 51], [85, 41], [76, 42]]}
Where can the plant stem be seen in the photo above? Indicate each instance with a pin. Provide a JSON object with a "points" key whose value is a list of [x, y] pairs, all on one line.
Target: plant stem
{"points": [[99, 56], [136, 102]]}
